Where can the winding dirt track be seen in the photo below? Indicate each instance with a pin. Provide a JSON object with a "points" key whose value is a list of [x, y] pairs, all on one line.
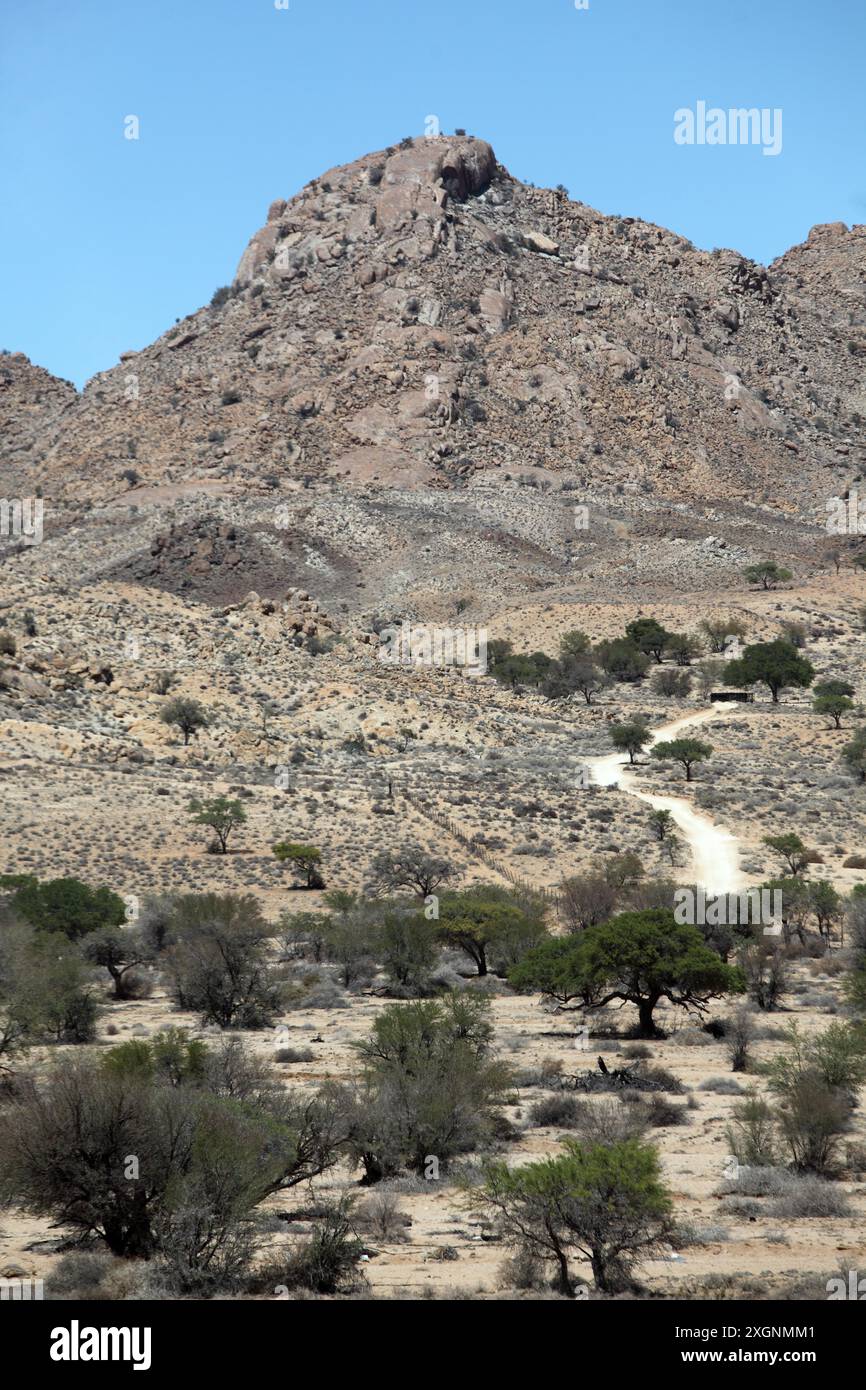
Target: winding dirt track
{"points": [[714, 851]]}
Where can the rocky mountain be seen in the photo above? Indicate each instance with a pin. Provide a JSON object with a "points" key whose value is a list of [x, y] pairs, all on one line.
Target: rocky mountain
{"points": [[418, 330], [420, 316]]}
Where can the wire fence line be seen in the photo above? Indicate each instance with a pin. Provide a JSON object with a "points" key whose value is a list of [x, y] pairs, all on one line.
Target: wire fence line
{"points": [[477, 850]]}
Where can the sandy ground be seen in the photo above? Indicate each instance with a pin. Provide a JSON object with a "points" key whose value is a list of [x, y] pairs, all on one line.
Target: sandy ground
{"points": [[499, 766], [695, 1154]]}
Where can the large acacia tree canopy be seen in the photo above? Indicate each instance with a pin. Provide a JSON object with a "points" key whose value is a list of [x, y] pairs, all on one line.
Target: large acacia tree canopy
{"points": [[775, 664], [637, 957]]}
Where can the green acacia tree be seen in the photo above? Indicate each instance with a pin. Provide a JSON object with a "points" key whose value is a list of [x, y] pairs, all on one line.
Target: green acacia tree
{"points": [[574, 643], [622, 660], [833, 698], [604, 1203], [571, 674], [119, 951], [187, 715], [649, 636], [774, 664], [66, 905], [630, 738], [304, 859], [828, 906], [662, 824], [686, 751], [638, 958], [548, 967], [791, 849], [430, 1085], [766, 573], [221, 814], [718, 630], [484, 919], [683, 647]]}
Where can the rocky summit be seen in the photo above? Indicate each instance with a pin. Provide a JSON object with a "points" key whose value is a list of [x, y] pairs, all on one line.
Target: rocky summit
{"points": [[419, 345]]}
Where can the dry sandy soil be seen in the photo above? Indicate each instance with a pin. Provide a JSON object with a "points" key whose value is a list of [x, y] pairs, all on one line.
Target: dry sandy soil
{"points": [[94, 785], [764, 1254]]}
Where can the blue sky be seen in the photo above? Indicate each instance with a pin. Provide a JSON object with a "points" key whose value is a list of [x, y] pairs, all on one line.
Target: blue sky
{"points": [[106, 241]]}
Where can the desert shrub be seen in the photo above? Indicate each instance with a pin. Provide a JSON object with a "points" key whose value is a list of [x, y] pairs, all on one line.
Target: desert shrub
{"points": [[327, 1262], [44, 992], [662, 1113], [742, 1207], [233, 1072], [586, 900], [195, 1163], [838, 1054], [685, 1237], [351, 940], [315, 990], [606, 1121], [407, 944], [430, 1085], [672, 683], [155, 922], [81, 1274], [383, 1217], [138, 984], [805, 1196], [694, 1037], [523, 1270], [169, 1057], [766, 973], [659, 1079], [303, 934], [163, 681], [756, 1180], [811, 1119], [606, 1203], [739, 1036], [219, 965], [61, 1152], [751, 1133], [561, 1111], [722, 1085]]}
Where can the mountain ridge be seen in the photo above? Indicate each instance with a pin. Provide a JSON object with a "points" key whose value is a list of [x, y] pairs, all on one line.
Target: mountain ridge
{"points": [[419, 316]]}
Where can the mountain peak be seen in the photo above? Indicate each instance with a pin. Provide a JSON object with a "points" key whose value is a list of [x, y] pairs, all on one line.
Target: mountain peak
{"points": [[411, 182], [419, 318]]}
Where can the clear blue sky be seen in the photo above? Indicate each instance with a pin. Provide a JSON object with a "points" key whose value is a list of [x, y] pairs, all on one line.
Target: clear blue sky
{"points": [[105, 241]]}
